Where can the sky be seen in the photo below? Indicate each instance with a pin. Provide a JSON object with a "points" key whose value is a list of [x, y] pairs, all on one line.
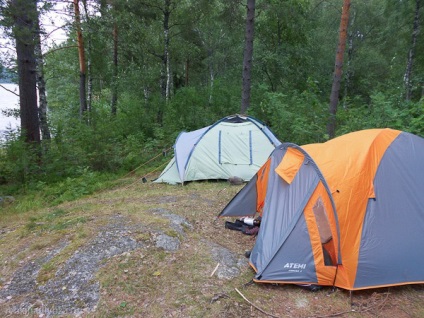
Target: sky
{"points": [[53, 23], [8, 100]]}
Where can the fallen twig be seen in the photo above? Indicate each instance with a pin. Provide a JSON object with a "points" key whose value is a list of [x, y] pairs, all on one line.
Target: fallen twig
{"points": [[216, 267], [261, 310]]}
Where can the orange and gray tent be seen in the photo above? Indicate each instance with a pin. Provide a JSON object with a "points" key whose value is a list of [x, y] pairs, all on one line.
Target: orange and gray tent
{"points": [[347, 213]]}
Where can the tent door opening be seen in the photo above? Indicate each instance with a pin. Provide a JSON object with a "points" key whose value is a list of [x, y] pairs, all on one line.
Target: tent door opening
{"points": [[324, 230]]}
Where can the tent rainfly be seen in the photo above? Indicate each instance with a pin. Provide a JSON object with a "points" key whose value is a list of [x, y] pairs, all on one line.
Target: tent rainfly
{"points": [[347, 213], [235, 146]]}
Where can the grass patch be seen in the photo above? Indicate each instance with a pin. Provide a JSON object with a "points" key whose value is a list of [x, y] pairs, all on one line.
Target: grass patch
{"points": [[55, 221]]}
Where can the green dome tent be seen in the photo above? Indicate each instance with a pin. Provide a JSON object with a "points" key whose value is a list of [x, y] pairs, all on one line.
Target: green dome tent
{"points": [[234, 146]]}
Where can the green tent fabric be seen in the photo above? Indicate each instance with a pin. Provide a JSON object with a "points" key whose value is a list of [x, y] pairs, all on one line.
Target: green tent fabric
{"points": [[234, 146]]}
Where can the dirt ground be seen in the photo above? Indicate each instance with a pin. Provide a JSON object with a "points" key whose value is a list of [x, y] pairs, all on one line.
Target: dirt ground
{"points": [[154, 250]]}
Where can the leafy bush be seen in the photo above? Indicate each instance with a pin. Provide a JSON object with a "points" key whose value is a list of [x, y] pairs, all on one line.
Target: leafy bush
{"points": [[298, 118], [383, 111]]}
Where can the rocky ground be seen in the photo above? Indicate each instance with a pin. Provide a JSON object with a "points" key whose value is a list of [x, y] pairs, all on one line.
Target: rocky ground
{"points": [[157, 251]]}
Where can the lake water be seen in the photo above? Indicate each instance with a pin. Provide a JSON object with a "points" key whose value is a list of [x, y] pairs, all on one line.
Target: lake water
{"points": [[8, 100]]}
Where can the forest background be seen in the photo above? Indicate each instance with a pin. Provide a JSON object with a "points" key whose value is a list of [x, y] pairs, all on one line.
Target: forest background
{"points": [[131, 75]]}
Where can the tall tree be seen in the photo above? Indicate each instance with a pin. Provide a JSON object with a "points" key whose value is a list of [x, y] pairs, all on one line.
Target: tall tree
{"points": [[41, 83], [338, 69], [89, 60], [411, 54], [247, 57], [350, 51], [166, 71], [167, 8], [81, 56], [115, 68], [24, 13]]}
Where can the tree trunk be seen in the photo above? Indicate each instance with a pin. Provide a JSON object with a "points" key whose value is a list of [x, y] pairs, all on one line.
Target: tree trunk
{"points": [[41, 83], [187, 66], [81, 56], [89, 69], [349, 69], [114, 100], [166, 73], [411, 54], [24, 31], [212, 81], [210, 66], [338, 69], [248, 55]]}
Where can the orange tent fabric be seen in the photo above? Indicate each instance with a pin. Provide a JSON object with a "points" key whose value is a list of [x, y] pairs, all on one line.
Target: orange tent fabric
{"points": [[351, 180]]}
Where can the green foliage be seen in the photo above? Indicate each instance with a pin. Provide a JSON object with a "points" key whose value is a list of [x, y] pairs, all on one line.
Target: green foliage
{"points": [[298, 117], [73, 188], [42, 194], [282, 51], [415, 120], [18, 160], [294, 48], [195, 107], [383, 111]]}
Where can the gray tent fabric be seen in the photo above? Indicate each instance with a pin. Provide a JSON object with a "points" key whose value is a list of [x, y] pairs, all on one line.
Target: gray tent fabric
{"points": [[399, 188], [277, 251], [234, 146], [288, 260], [244, 204]]}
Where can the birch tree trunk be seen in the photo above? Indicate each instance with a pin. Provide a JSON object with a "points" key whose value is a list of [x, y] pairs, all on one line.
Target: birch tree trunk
{"points": [[210, 52], [248, 55], [89, 68], [338, 69], [411, 54], [114, 101], [165, 74], [41, 83], [166, 58]]}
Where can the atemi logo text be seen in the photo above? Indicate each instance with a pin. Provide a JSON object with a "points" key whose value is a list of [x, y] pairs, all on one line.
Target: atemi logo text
{"points": [[295, 266]]}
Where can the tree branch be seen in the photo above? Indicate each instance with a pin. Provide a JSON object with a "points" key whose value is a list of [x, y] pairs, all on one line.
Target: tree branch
{"points": [[60, 48], [10, 91]]}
